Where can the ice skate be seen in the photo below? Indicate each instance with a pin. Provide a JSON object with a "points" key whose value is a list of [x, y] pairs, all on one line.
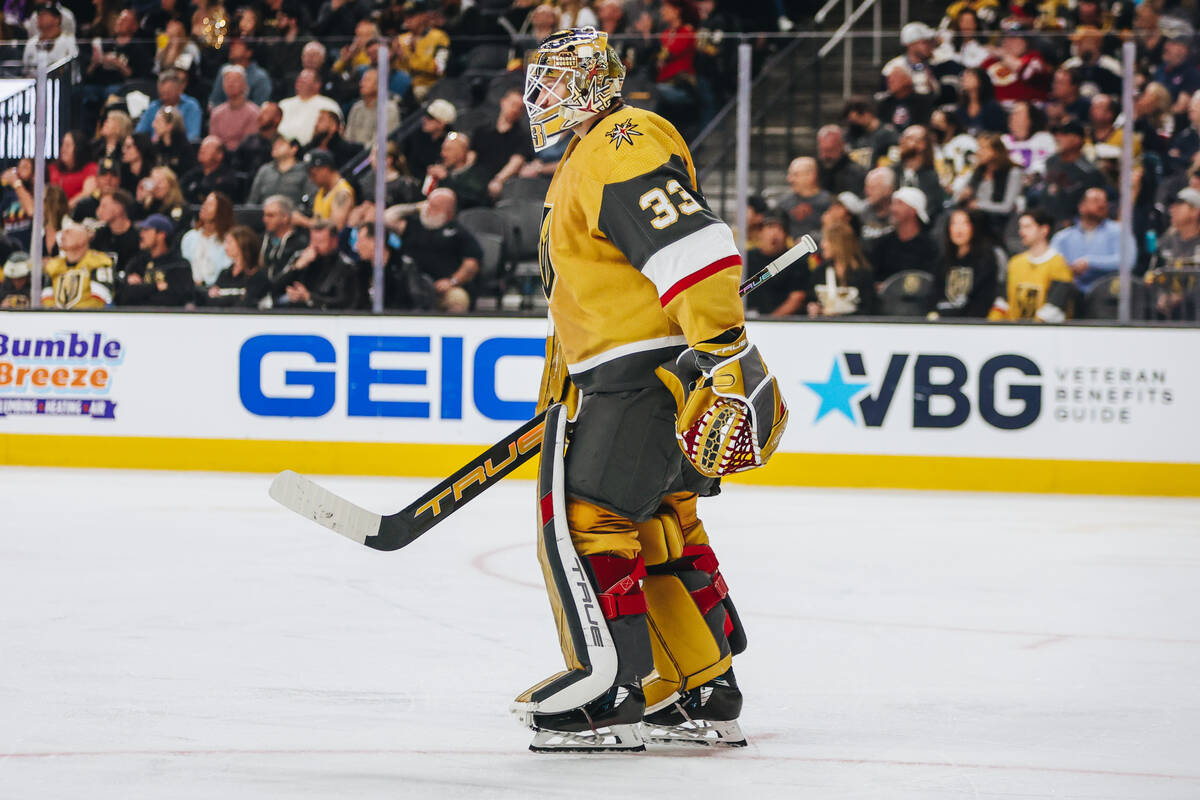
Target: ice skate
{"points": [[702, 717], [608, 724]]}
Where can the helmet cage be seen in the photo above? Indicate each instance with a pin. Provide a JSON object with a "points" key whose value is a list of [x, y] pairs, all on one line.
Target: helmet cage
{"points": [[572, 76]]}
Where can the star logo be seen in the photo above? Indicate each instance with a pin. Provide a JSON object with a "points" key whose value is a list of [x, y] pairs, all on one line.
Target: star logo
{"points": [[623, 132], [835, 393]]}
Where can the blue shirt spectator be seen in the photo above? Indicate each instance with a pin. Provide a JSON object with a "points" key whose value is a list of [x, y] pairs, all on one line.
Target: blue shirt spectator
{"points": [[1176, 72], [1092, 246], [189, 109]]}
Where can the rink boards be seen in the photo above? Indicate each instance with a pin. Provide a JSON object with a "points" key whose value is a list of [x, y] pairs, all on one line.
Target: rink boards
{"points": [[974, 407]]}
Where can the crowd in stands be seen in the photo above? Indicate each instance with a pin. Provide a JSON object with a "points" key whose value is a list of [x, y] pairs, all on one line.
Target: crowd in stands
{"points": [[225, 154], [983, 179]]}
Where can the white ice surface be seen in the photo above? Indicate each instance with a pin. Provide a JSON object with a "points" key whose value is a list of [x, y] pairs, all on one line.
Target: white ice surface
{"points": [[181, 636]]}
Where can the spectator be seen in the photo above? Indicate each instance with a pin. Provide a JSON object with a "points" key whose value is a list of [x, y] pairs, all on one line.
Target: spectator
{"points": [[14, 289], [442, 250], [179, 52], [55, 216], [1103, 115], [363, 119], [16, 202], [985, 11], [284, 174], [876, 214], [836, 171], [312, 57], [395, 281], [676, 77], [1066, 103], [422, 50], [79, 277], [1179, 247], [424, 146], [116, 127], [994, 187], [286, 51], [969, 268], [106, 181], [917, 167], [170, 93], [160, 194], [50, 38], [157, 275], [1068, 174], [327, 136], [845, 286], [334, 197], [577, 15], [255, 150], [968, 45], [116, 235], [500, 149], [300, 111], [337, 19], [127, 57], [1186, 143], [1148, 33], [788, 292], [1176, 72], [1039, 280], [256, 79], [399, 186], [870, 139], [918, 41], [243, 283], [900, 106], [807, 200], [1097, 72], [354, 55], [73, 166], [1028, 143], [204, 245], [1092, 246], [908, 245], [1018, 72], [1153, 120], [70, 26], [977, 109], [458, 172], [953, 148], [171, 142], [211, 173], [236, 118], [282, 241], [322, 277]]}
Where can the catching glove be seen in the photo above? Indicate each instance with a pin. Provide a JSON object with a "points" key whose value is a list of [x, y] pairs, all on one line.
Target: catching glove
{"points": [[730, 414]]}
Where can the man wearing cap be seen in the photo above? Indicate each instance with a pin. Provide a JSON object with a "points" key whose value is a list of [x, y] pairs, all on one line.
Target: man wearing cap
{"points": [[334, 197], [107, 180], [424, 146], [14, 288], [171, 83], [211, 174], [300, 111], [284, 174], [422, 50], [1092, 246], [327, 135], [1019, 72], [116, 235], [157, 275], [1177, 73], [786, 293], [1068, 174], [50, 38], [1179, 247], [1097, 72], [908, 245], [917, 38]]}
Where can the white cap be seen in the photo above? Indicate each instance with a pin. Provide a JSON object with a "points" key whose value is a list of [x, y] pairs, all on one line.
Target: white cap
{"points": [[916, 32], [853, 203], [1188, 195], [443, 111], [914, 198], [17, 266]]}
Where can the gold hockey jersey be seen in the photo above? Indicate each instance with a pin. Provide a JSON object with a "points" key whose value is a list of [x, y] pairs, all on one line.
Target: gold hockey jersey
{"points": [[634, 263], [87, 284], [1029, 286]]}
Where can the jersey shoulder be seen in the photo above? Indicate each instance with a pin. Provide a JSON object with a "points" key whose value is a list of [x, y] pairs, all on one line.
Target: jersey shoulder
{"points": [[630, 142]]}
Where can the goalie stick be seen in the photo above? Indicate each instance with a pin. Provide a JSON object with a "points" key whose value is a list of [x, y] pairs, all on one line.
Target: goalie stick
{"points": [[393, 531]]}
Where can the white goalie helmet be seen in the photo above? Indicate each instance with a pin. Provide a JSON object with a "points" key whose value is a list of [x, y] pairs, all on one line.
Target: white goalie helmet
{"points": [[574, 74]]}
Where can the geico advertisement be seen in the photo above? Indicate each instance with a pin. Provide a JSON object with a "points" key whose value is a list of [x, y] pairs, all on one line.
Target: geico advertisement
{"points": [[970, 390]]}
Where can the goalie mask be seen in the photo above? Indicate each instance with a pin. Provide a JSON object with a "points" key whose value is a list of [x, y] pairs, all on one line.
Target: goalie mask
{"points": [[573, 75]]}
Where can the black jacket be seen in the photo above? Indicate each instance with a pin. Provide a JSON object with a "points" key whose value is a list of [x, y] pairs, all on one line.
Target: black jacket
{"points": [[171, 268], [332, 281]]}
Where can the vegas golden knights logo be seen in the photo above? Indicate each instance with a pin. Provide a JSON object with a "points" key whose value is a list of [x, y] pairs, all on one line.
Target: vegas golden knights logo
{"points": [[544, 251], [70, 288], [1029, 300], [959, 281]]}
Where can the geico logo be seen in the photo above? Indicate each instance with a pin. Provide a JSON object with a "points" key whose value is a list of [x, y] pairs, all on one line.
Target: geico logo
{"points": [[17, 377], [360, 376], [74, 346]]}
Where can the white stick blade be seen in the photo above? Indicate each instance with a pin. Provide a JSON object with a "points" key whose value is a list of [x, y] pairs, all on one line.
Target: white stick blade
{"points": [[294, 491]]}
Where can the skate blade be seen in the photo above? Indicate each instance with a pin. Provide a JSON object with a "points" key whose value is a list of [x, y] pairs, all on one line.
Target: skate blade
{"points": [[612, 739], [695, 733]]}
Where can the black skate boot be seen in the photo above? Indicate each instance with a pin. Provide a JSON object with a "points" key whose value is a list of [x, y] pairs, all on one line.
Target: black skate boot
{"points": [[607, 724], [705, 716]]}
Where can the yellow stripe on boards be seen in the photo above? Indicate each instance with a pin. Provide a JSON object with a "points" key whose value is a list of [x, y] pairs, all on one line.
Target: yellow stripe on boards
{"points": [[440, 460]]}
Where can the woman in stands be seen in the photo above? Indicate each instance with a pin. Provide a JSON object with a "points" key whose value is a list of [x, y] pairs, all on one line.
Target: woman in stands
{"points": [[243, 284], [1027, 139], [995, 184], [842, 278], [204, 245], [73, 166], [160, 194], [137, 159], [970, 266], [56, 212], [117, 127], [977, 107], [170, 139]]}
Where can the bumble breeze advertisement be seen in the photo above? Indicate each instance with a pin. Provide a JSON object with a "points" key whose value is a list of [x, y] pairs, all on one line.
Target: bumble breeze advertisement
{"points": [[67, 373]]}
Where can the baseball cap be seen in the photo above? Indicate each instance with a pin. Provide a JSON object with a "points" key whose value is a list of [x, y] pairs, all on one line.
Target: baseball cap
{"points": [[108, 166], [319, 158], [916, 32], [159, 223], [1188, 195], [774, 218], [758, 203], [17, 265], [914, 198], [1070, 128], [443, 111]]}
